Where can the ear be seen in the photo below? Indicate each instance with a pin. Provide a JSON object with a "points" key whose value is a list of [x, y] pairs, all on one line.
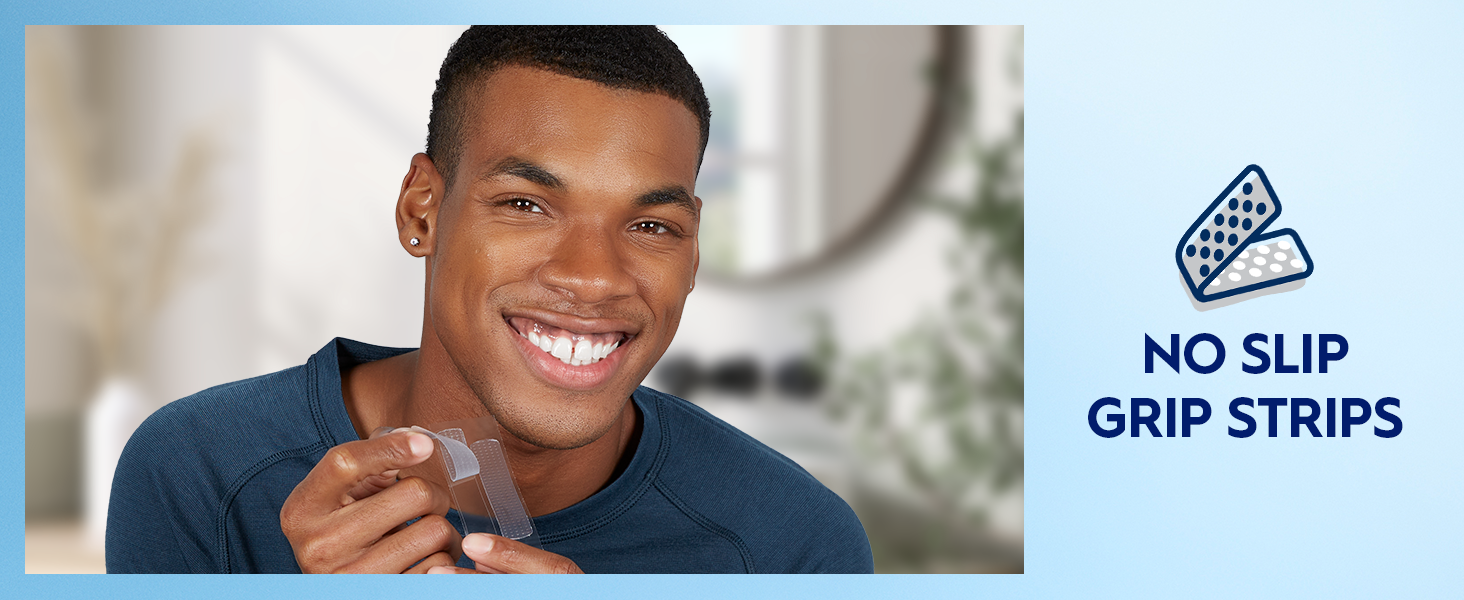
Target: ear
{"points": [[417, 205]]}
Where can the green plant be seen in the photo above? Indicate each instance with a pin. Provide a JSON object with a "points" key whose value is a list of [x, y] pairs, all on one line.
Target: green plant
{"points": [[943, 400]]}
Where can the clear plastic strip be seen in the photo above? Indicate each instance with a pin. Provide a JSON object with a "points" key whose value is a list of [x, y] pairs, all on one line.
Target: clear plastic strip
{"points": [[508, 508], [486, 460], [459, 461]]}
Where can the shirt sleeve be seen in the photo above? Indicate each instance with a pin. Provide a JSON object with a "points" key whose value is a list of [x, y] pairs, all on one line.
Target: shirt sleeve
{"points": [[843, 546], [159, 519]]}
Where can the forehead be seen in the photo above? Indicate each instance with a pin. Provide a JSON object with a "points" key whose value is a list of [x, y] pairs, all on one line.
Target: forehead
{"points": [[580, 129]]}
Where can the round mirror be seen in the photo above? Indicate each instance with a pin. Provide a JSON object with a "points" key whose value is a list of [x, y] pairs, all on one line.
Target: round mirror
{"points": [[817, 132]]}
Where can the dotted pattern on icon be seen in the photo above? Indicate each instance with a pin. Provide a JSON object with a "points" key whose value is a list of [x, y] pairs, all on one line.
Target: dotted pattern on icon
{"points": [[1259, 264], [1227, 226], [1228, 250]]}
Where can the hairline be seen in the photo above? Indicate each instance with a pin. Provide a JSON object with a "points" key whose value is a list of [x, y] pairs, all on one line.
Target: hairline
{"points": [[478, 76]]}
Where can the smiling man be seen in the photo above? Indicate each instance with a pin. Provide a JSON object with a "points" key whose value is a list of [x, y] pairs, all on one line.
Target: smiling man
{"points": [[555, 213]]}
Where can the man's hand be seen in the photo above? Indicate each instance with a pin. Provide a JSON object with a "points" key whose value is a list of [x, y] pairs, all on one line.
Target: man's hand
{"points": [[347, 516], [495, 554]]}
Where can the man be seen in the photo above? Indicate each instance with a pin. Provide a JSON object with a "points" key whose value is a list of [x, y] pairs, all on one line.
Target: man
{"points": [[554, 211]]}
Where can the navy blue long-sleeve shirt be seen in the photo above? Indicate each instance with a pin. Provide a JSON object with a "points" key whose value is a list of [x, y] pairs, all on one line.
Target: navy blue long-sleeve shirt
{"points": [[200, 486]]}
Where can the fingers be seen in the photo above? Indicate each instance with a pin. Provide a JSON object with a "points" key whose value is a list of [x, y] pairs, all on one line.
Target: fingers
{"points": [[496, 554], [403, 501], [451, 571], [435, 564], [362, 523], [429, 536], [375, 483], [347, 467], [369, 487], [337, 516]]}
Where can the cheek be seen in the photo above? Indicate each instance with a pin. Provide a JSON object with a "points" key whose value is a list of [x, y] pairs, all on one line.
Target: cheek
{"points": [[469, 270], [664, 283], [665, 272], [484, 258]]}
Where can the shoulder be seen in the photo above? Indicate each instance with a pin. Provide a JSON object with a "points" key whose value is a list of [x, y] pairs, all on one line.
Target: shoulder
{"points": [[696, 439], [264, 412], [202, 448], [787, 519], [186, 463], [244, 421], [201, 481]]}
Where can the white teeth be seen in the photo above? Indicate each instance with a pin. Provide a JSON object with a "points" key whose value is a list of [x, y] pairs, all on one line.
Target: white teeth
{"points": [[561, 349], [574, 353]]}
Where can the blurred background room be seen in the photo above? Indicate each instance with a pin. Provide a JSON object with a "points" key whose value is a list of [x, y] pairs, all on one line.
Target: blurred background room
{"points": [[206, 204]]}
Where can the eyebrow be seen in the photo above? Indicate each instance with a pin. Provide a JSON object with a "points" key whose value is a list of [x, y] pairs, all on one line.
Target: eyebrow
{"points": [[517, 167], [672, 194]]}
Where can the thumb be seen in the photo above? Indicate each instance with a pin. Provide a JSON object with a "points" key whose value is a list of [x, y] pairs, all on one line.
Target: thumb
{"points": [[497, 554]]}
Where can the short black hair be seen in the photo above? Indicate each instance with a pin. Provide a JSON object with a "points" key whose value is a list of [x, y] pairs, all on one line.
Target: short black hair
{"points": [[639, 58]]}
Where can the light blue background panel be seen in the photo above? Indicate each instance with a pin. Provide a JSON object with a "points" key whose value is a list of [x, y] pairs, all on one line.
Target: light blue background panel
{"points": [[1137, 115], [1137, 118]]}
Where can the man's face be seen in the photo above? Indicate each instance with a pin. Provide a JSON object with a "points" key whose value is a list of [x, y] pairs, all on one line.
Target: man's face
{"points": [[564, 249]]}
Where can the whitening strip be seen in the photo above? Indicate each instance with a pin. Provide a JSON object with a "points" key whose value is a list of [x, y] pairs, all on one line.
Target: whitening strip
{"points": [[481, 485]]}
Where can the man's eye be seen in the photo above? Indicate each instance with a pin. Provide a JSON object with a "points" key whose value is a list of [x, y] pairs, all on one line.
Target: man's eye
{"points": [[525, 205], [651, 227]]}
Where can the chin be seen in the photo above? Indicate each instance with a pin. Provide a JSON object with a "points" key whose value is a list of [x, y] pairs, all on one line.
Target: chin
{"points": [[561, 424]]}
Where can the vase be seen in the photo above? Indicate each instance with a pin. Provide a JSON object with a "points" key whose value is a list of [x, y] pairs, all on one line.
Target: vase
{"points": [[114, 413]]}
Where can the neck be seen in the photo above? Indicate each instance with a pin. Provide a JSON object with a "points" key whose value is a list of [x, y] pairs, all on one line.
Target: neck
{"points": [[424, 387]]}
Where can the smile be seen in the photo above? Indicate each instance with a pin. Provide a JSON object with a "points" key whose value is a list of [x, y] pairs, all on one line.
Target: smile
{"points": [[570, 347]]}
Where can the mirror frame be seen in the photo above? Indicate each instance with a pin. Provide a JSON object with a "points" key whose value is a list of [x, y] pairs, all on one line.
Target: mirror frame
{"points": [[947, 78]]}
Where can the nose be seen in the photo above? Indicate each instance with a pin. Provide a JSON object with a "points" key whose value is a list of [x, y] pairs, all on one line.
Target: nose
{"points": [[588, 266]]}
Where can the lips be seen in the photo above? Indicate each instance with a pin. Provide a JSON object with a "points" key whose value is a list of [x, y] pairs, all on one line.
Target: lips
{"points": [[574, 348], [580, 341]]}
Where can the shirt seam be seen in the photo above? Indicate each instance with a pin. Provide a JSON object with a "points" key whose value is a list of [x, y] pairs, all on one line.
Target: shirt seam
{"points": [[706, 523], [226, 505], [709, 525], [312, 393]]}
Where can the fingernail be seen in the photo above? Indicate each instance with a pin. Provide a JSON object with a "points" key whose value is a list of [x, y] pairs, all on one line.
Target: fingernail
{"points": [[439, 571], [477, 543], [421, 444]]}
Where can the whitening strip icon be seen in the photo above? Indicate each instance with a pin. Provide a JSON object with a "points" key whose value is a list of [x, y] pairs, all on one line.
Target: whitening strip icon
{"points": [[1228, 255]]}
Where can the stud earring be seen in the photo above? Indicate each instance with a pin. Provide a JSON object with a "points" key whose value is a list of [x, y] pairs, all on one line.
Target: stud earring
{"points": [[415, 241]]}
